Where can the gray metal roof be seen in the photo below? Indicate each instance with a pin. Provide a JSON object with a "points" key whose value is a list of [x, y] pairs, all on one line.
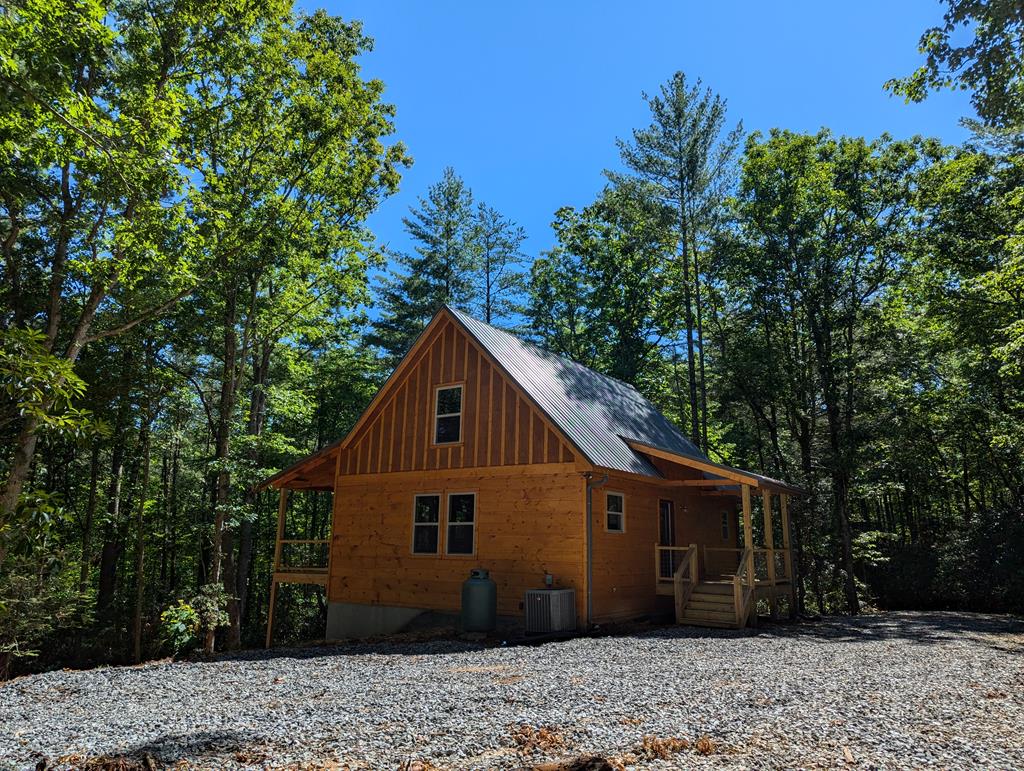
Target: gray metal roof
{"points": [[595, 411]]}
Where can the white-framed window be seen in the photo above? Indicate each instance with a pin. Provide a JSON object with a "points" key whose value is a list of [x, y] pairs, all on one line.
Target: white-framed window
{"points": [[426, 524], [725, 525], [461, 536], [615, 513], [448, 414]]}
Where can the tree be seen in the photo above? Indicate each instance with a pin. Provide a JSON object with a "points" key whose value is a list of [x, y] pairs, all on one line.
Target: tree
{"points": [[497, 243], [441, 270], [990, 63], [289, 173], [826, 222], [687, 161], [621, 274], [94, 224]]}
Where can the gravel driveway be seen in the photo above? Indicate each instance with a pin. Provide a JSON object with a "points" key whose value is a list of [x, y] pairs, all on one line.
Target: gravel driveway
{"points": [[892, 690]]}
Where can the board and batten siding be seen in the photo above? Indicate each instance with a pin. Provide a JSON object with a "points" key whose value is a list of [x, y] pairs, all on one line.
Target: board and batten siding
{"points": [[499, 426]]}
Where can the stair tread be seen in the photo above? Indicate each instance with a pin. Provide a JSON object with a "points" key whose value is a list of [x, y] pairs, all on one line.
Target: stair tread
{"points": [[709, 623], [713, 614]]}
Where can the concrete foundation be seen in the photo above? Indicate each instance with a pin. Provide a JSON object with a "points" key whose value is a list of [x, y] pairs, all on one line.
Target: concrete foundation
{"points": [[352, 621], [347, 620]]}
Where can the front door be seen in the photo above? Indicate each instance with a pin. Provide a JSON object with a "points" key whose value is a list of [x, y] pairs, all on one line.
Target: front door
{"points": [[667, 536]]}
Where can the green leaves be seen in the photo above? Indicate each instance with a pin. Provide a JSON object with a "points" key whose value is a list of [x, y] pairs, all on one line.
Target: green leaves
{"points": [[36, 384], [990, 63]]}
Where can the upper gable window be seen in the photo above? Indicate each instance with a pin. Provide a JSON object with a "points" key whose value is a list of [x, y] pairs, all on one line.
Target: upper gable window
{"points": [[448, 415]]}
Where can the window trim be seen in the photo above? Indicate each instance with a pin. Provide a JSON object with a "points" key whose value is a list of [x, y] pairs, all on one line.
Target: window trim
{"points": [[412, 540], [461, 385], [448, 524], [622, 514]]}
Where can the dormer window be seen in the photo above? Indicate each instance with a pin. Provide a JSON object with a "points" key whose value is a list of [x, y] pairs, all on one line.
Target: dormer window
{"points": [[448, 415]]}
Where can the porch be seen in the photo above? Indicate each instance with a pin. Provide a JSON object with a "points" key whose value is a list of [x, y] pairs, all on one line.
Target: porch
{"points": [[723, 586]]}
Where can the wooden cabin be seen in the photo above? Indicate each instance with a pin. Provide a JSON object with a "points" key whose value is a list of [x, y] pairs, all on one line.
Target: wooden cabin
{"points": [[483, 451]]}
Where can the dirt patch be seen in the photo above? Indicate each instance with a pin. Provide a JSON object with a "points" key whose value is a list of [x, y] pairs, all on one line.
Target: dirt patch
{"points": [[546, 739]]}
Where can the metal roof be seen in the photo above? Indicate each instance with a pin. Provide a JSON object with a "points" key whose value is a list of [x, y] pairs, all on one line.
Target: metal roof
{"points": [[595, 411]]}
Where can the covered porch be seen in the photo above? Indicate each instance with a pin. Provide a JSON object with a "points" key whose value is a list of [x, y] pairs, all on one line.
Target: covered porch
{"points": [[725, 585], [302, 543], [715, 585]]}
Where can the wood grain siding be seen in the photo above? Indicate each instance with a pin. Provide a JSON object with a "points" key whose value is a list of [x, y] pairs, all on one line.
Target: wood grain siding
{"points": [[499, 425], [624, 579], [527, 524]]}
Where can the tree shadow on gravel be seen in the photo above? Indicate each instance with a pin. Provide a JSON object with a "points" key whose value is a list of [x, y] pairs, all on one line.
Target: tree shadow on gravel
{"points": [[207, 748], [1004, 633], [376, 648]]}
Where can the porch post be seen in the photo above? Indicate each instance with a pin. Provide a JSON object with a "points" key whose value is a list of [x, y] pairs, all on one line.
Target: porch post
{"points": [[786, 544], [769, 545], [748, 530], [748, 544], [282, 506]]}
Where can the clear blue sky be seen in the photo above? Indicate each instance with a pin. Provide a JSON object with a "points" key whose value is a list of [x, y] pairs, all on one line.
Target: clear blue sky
{"points": [[525, 99]]}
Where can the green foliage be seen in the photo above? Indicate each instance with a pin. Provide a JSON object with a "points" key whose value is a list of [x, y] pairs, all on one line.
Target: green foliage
{"points": [[989, 63], [179, 627], [38, 600], [609, 264], [36, 384], [441, 270], [210, 608]]}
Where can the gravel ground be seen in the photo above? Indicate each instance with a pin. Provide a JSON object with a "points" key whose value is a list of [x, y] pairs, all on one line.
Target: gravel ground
{"points": [[888, 690]]}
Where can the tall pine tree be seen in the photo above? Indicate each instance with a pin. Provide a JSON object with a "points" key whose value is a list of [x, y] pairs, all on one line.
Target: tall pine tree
{"points": [[440, 270], [686, 157]]}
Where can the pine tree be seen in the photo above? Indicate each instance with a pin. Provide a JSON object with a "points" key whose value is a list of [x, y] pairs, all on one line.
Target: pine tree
{"points": [[497, 245], [439, 272], [688, 162]]}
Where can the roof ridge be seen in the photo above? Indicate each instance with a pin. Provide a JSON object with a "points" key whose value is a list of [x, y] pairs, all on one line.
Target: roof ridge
{"points": [[544, 350]]}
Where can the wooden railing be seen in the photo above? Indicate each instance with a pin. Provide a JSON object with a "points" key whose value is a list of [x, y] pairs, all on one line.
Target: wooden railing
{"points": [[680, 566], [743, 584], [301, 555]]}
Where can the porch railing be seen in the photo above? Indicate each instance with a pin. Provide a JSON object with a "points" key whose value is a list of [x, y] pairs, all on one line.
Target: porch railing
{"points": [[679, 567]]}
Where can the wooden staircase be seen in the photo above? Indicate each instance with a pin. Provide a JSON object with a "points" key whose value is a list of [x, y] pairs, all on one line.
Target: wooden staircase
{"points": [[711, 603], [726, 602]]}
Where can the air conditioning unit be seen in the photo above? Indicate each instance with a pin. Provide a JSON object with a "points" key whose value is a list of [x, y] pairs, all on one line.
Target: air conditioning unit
{"points": [[550, 610]]}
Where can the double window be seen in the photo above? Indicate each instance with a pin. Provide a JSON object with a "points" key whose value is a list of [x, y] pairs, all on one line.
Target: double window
{"points": [[615, 513], [448, 415], [460, 521]]}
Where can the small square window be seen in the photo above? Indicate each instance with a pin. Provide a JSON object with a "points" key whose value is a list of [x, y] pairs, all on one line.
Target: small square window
{"points": [[615, 513], [448, 415], [426, 524]]}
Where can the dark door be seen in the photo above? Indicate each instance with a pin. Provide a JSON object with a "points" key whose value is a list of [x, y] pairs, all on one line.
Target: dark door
{"points": [[667, 536]]}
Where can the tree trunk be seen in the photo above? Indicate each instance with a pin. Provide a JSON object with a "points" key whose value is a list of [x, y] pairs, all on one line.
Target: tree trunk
{"points": [[257, 409], [140, 544], [111, 550], [688, 312], [90, 517], [700, 353], [222, 482]]}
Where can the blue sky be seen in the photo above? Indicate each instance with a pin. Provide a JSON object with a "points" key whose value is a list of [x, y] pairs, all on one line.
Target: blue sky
{"points": [[525, 99]]}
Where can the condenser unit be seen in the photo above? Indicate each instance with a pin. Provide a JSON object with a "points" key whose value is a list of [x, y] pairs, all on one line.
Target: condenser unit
{"points": [[550, 610]]}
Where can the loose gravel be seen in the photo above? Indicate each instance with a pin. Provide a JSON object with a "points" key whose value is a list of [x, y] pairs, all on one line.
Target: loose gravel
{"points": [[889, 690]]}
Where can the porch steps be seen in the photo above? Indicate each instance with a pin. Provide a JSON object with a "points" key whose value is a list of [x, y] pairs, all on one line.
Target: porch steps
{"points": [[711, 604]]}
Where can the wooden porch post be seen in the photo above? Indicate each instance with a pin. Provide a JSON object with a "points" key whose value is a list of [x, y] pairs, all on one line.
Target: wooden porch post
{"points": [[769, 545], [282, 506], [748, 544], [786, 544]]}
